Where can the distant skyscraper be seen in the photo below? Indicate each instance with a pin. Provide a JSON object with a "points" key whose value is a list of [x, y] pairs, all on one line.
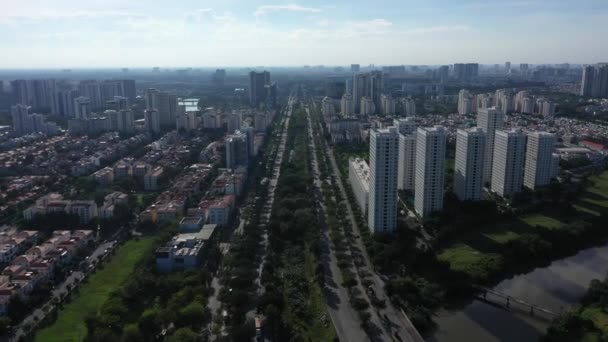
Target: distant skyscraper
{"points": [[465, 102], [523, 68], [360, 89], [82, 107], [443, 73], [219, 76], [18, 114], [25, 123], [383, 157], [327, 107], [466, 71], [164, 103], [409, 105], [539, 159], [367, 106], [39, 93], [126, 122], [152, 120], [65, 100], [346, 105], [430, 170], [489, 120], [258, 82], [507, 67], [376, 88], [355, 68], [92, 90], [508, 162], [468, 167], [595, 81], [388, 104]]}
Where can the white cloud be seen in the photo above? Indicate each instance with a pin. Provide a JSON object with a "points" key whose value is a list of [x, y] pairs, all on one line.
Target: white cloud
{"points": [[265, 9]]}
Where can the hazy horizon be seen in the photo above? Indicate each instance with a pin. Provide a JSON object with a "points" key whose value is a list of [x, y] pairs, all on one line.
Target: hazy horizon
{"points": [[115, 33]]}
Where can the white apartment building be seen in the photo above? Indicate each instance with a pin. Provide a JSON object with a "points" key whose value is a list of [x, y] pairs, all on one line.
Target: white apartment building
{"points": [[388, 104], [430, 165], [152, 120], [468, 168], [383, 158], [507, 171], [367, 106], [489, 120], [539, 159], [405, 126], [327, 107], [465, 102], [409, 106], [358, 176], [407, 161], [407, 152], [346, 105]]}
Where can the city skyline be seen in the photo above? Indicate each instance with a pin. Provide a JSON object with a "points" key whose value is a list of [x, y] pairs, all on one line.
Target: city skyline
{"points": [[114, 33]]}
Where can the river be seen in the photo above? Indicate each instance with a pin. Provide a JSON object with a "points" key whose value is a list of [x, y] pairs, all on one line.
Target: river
{"points": [[555, 287]]}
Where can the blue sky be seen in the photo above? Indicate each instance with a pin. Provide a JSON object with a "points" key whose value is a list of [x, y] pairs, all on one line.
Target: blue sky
{"points": [[117, 33]]}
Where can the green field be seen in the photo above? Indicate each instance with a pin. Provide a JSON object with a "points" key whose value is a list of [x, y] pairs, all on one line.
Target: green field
{"points": [[475, 252], [70, 326]]}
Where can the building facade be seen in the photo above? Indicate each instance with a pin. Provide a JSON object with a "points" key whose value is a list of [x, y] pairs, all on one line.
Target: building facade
{"points": [[539, 159], [468, 167], [383, 158], [489, 120], [508, 162], [430, 169]]}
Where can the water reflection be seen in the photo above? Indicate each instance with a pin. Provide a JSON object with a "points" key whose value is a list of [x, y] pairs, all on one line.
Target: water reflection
{"points": [[555, 287]]}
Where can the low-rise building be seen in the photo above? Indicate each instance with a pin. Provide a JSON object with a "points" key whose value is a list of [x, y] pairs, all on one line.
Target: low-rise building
{"points": [[151, 179], [86, 210], [184, 251], [358, 176]]}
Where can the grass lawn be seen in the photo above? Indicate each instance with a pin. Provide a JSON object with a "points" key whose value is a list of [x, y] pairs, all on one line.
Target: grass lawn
{"points": [[70, 326], [595, 199], [473, 252], [464, 258], [547, 222]]}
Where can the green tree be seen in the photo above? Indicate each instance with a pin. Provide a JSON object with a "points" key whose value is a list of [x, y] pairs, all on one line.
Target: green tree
{"points": [[131, 333], [183, 335], [192, 315]]}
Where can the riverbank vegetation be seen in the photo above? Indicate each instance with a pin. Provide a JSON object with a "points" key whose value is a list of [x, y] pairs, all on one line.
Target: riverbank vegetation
{"points": [[586, 323]]}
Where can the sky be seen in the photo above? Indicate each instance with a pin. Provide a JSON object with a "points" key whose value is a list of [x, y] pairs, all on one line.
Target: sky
{"points": [[201, 33]]}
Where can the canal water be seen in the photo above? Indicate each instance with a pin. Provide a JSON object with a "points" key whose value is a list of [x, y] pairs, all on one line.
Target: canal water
{"points": [[555, 287]]}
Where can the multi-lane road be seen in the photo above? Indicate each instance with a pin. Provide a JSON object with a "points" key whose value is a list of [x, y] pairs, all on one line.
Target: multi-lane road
{"points": [[395, 324], [345, 319]]}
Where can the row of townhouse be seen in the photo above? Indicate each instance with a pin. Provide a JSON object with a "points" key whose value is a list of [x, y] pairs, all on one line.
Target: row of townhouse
{"points": [[172, 203], [215, 210], [86, 210], [87, 165], [13, 242], [126, 168], [38, 264]]}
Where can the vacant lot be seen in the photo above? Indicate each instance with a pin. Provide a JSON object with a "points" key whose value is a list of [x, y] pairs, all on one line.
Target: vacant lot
{"points": [[70, 324]]}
